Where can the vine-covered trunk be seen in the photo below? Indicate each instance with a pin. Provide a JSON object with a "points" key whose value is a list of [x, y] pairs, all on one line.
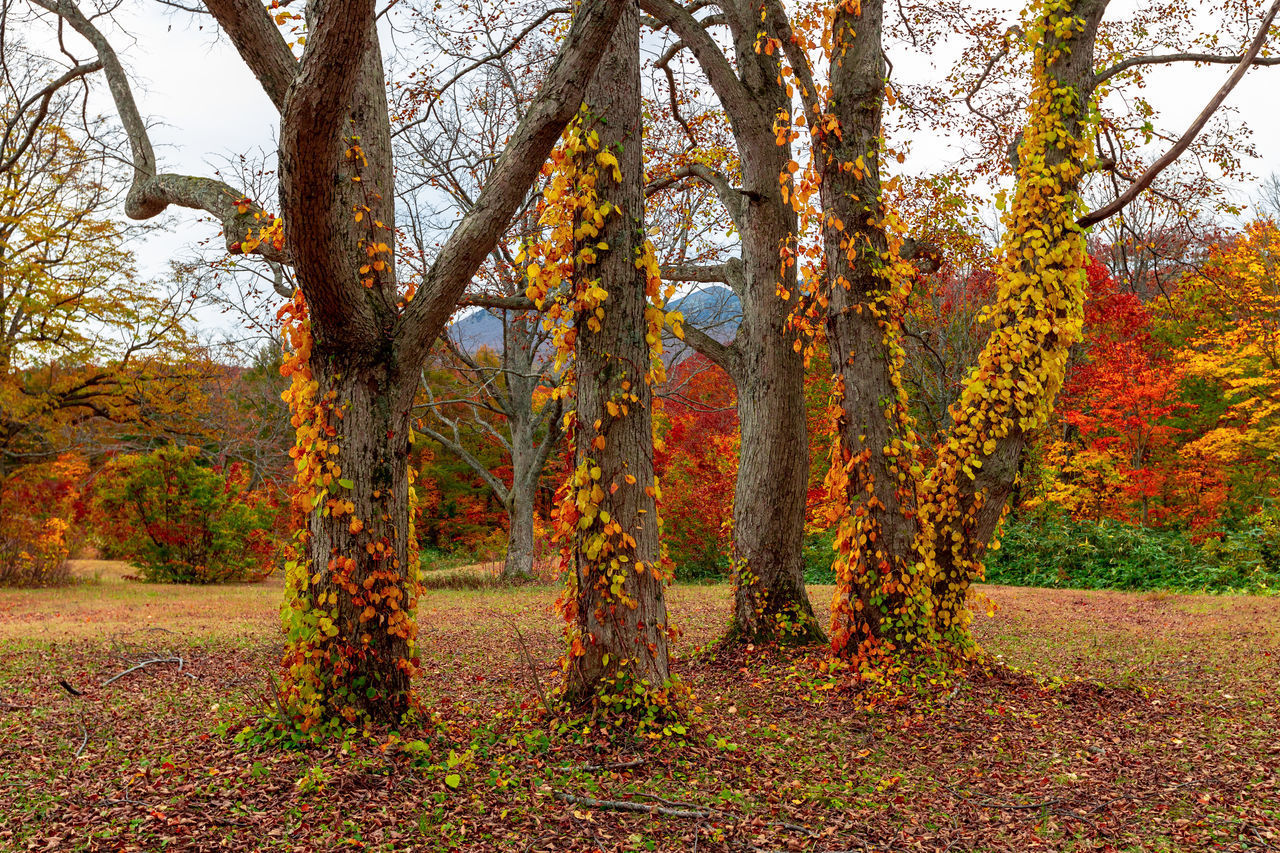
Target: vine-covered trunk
{"points": [[1038, 315], [872, 457], [618, 615], [911, 545], [350, 619]]}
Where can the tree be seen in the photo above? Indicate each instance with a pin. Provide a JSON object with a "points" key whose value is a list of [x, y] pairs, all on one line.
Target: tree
{"points": [[1115, 446], [182, 521], [912, 541], [696, 465], [85, 345], [596, 278], [502, 397], [360, 338], [765, 360], [1231, 308]]}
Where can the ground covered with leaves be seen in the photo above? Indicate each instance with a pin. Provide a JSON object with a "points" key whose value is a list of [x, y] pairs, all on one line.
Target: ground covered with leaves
{"points": [[1106, 721]]}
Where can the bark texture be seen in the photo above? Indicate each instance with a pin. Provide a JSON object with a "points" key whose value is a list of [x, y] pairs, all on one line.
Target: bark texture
{"points": [[371, 653], [895, 524], [859, 323], [619, 610], [770, 599]]}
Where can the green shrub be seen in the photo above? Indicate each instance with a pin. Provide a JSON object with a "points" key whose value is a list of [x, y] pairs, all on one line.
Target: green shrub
{"points": [[820, 557], [181, 521], [698, 561], [1085, 555]]}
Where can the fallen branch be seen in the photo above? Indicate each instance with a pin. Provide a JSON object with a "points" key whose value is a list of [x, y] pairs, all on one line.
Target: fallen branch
{"points": [[671, 808], [609, 768], [84, 741], [630, 806], [528, 660], [996, 804], [6, 705], [179, 661]]}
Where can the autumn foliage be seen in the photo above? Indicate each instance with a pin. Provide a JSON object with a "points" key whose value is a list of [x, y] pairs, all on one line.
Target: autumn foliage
{"points": [[179, 520]]}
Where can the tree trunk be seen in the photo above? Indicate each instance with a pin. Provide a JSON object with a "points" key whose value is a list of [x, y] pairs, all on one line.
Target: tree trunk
{"points": [[770, 600], [350, 624], [770, 496], [1039, 312], [520, 540], [524, 484], [618, 625], [911, 546], [874, 572]]}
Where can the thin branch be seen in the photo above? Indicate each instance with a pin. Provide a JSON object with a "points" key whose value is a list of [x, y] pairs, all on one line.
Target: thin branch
{"points": [[1152, 172], [504, 303], [143, 664], [41, 101], [1169, 58], [629, 806]]}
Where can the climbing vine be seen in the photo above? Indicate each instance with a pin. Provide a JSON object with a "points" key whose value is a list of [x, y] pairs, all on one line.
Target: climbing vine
{"points": [[1037, 316], [340, 614], [909, 543], [595, 547]]}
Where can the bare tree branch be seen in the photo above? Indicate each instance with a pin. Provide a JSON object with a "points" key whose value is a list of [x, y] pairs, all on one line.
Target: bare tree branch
{"points": [[557, 101], [1169, 58], [40, 100], [1184, 142], [151, 193]]}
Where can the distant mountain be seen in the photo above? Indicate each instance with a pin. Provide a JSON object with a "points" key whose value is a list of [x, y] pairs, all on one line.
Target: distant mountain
{"points": [[479, 329], [714, 309]]}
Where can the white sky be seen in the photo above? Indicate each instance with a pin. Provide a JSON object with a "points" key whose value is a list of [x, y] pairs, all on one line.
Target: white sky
{"points": [[205, 106]]}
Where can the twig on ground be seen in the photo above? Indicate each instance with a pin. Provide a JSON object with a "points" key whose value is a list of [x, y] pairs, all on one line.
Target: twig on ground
{"points": [[275, 696], [6, 705], [671, 808], [609, 768], [996, 804], [71, 691], [84, 741], [528, 659], [178, 660], [1253, 830], [675, 803], [630, 806]]}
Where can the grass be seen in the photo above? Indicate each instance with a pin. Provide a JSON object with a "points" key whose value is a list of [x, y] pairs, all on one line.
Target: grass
{"points": [[1121, 722]]}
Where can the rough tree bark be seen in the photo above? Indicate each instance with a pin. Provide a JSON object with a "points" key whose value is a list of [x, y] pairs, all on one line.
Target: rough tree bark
{"points": [[770, 600], [619, 611], [369, 347], [885, 540], [873, 409], [913, 542]]}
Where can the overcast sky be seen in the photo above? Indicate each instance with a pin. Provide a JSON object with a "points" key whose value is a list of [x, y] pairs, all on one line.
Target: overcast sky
{"points": [[205, 106]]}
